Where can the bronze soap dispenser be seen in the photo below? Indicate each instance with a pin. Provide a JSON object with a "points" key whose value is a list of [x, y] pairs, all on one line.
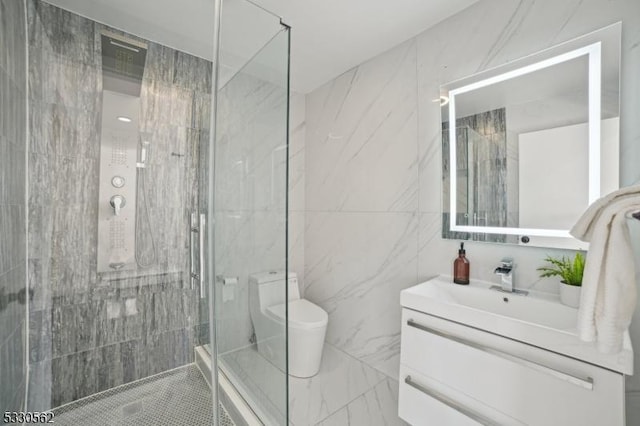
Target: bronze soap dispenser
{"points": [[461, 267]]}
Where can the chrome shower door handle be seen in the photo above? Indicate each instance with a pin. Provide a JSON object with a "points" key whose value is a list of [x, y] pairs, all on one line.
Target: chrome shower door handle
{"points": [[197, 227], [201, 276], [193, 229]]}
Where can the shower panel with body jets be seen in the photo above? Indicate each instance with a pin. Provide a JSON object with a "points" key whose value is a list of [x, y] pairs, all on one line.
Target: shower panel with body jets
{"points": [[122, 177]]}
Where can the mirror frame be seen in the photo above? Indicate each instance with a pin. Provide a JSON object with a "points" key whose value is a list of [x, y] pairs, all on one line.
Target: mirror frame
{"points": [[588, 45]]}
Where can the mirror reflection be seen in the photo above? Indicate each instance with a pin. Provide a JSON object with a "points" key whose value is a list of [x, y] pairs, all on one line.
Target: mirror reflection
{"points": [[536, 141]]}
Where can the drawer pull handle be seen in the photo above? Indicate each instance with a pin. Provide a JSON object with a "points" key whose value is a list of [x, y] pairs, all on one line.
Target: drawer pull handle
{"points": [[586, 383], [449, 402]]}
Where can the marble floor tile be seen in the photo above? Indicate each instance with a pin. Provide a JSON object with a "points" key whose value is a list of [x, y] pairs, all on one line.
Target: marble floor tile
{"points": [[377, 407], [341, 380]]}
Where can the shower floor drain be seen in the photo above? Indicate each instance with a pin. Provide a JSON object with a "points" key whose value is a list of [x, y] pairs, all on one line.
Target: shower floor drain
{"points": [[179, 397]]}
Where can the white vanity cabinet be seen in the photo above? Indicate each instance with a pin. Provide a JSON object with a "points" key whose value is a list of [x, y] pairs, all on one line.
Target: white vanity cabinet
{"points": [[454, 374]]}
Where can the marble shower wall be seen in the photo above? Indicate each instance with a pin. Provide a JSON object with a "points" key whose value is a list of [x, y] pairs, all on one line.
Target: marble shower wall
{"points": [[88, 331], [373, 165], [13, 217]]}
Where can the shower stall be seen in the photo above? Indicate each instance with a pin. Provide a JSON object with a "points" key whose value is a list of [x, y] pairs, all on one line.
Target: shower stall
{"points": [[143, 180]]}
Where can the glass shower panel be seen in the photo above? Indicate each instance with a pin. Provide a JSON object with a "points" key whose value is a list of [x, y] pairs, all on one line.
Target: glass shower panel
{"points": [[251, 160], [119, 106], [244, 30], [13, 216], [119, 125]]}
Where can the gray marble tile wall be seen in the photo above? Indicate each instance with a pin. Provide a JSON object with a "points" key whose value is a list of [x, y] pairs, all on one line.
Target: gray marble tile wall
{"points": [[88, 331], [13, 237], [373, 166]]}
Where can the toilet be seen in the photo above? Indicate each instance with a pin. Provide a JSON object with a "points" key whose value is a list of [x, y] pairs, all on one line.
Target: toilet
{"points": [[307, 323]]}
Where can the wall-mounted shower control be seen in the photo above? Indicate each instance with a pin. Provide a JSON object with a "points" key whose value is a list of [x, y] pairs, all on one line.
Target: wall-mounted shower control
{"points": [[117, 181], [117, 202]]}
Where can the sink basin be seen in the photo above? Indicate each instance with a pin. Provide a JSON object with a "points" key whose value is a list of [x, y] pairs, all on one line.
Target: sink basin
{"points": [[538, 318], [537, 309]]}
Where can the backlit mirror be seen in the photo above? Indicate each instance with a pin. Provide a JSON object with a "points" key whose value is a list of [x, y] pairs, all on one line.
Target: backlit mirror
{"points": [[534, 143]]}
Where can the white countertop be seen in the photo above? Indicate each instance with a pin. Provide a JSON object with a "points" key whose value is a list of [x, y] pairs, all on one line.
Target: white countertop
{"points": [[538, 319]]}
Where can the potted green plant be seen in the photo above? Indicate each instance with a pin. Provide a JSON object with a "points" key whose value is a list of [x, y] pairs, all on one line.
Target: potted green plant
{"points": [[570, 272]]}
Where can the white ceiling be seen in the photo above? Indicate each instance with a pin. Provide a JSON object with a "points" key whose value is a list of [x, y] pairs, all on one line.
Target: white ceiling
{"points": [[328, 38]]}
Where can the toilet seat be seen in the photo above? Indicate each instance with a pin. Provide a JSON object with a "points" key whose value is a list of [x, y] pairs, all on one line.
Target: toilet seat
{"points": [[302, 314]]}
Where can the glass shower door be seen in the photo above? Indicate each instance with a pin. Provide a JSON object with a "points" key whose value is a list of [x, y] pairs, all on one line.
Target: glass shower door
{"points": [[247, 212], [119, 106]]}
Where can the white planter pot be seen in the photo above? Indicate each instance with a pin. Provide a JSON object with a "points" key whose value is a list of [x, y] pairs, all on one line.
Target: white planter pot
{"points": [[570, 294]]}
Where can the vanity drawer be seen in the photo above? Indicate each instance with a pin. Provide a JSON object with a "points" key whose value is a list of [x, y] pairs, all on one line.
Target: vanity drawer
{"points": [[522, 381], [424, 401]]}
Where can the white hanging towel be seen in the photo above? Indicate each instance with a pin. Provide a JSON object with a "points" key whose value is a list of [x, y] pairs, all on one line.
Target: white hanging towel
{"points": [[608, 288]]}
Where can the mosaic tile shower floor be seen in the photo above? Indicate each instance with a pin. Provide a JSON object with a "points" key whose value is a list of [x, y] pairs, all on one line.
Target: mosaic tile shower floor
{"points": [[177, 397]]}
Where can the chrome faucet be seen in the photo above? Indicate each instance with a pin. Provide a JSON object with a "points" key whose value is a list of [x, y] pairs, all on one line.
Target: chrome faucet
{"points": [[505, 270]]}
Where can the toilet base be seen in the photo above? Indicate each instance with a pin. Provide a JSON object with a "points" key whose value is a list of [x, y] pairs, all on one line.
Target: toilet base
{"points": [[305, 351]]}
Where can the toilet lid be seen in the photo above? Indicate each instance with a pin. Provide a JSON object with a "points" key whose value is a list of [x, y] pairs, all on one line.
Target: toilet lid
{"points": [[302, 314]]}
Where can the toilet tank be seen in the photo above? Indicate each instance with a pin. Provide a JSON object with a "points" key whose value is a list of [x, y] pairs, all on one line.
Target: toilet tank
{"points": [[269, 287]]}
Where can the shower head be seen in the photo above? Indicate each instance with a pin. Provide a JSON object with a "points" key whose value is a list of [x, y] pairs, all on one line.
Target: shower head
{"points": [[123, 63]]}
